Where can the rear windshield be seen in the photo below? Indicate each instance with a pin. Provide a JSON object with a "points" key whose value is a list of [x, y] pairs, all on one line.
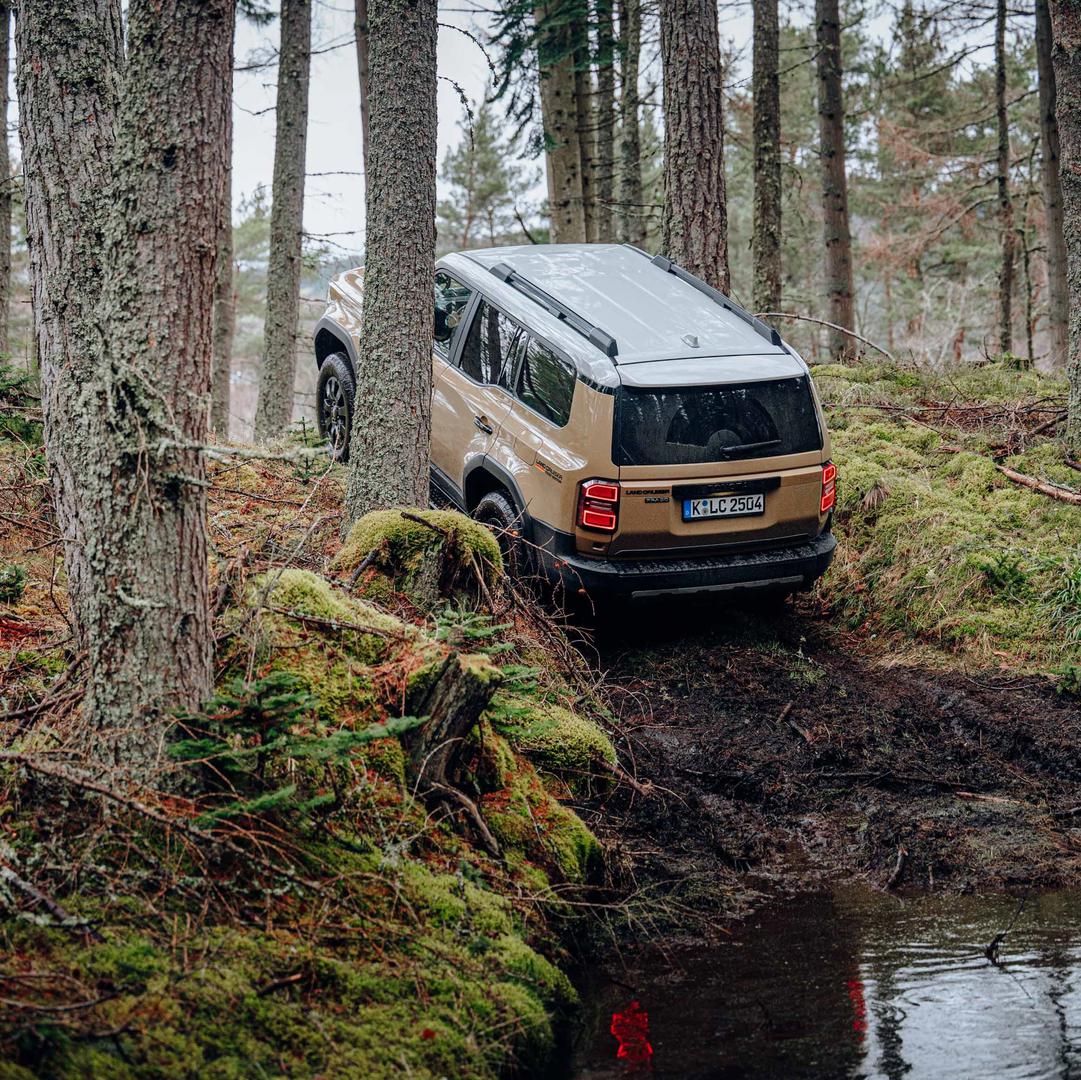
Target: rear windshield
{"points": [[716, 423]]}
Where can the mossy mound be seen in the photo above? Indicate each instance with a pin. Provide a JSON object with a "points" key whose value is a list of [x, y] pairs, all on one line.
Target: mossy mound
{"points": [[234, 1003], [563, 743], [527, 819], [935, 542], [430, 555]]}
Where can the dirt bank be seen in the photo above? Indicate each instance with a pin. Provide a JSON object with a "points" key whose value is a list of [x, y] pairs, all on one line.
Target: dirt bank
{"points": [[780, 749]]}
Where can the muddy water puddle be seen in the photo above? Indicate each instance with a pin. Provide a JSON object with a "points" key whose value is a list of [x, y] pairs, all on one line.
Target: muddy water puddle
{"points": [[850, 983]]}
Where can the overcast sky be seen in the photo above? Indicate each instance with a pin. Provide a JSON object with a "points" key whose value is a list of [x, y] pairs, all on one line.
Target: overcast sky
{"points": [[335, 204]]}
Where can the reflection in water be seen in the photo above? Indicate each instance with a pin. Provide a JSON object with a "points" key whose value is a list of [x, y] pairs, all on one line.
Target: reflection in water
{"points": [[854, 984], [630, 1026]]}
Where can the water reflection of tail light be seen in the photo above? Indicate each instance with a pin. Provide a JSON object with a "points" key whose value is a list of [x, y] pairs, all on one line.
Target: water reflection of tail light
{"points": [[598, 505], [859, 1007], [829, 487], [631, 1029]]}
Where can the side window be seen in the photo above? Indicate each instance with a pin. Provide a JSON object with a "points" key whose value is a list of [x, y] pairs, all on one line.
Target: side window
{"points": [[451, 300], [489, 348], [546, 383]]}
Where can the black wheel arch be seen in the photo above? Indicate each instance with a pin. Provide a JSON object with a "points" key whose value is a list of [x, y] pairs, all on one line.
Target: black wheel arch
{"points": [[485, 475], [331, 338]]}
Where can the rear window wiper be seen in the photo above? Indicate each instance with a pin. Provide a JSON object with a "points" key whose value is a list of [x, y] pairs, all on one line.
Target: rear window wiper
{"points": [[727, 451]]}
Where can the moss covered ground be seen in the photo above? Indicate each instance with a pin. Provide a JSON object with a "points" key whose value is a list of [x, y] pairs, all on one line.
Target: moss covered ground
{"points": [[937, 546], [289, 902]]}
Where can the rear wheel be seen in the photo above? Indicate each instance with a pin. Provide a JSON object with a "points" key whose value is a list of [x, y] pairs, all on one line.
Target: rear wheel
{"points": [[498, 513], [335, 392]]}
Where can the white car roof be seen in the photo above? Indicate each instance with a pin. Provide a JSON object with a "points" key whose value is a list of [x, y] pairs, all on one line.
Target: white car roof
{"points": [[678, 334]]}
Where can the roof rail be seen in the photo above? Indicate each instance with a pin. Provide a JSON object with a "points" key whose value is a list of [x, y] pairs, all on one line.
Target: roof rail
{"points": [[594, 334], [716, 295]]}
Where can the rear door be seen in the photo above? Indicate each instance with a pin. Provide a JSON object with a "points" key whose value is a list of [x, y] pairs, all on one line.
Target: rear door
{"points": [[717, 467], [468, 405]]}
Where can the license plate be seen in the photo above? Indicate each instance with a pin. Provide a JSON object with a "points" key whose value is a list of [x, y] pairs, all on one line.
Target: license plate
{"points": [[723, 506]]}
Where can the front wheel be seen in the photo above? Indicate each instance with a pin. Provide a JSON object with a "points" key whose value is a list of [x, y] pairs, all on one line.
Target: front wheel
{"points": [[334, 396]]}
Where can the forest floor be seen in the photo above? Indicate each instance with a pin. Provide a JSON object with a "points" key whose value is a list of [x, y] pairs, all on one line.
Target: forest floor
{"points": [[782, 751], [913, 723]]}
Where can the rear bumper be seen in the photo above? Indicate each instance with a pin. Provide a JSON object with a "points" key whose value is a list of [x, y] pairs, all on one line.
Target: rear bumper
{"points": [[783, 568]]}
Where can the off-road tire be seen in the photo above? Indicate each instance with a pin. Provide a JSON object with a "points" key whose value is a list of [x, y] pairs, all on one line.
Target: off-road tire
{"points": [[334, 396], [498, 513]]}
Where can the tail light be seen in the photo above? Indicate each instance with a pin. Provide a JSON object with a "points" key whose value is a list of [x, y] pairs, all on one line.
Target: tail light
{"points": [[829, 487], [598, 505]]}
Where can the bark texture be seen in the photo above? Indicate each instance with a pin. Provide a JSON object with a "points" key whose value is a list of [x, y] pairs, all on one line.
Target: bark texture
{"points": [[392, 418], [831, 126], [1058, 312], [695, 210], [221, 364], [360, 28], [5, 183], [632, 220], [124, 187], [1066, 25], [586, 125], [1002, 182], [766, 241], [605, 122], [557, 28], [275, 408]]}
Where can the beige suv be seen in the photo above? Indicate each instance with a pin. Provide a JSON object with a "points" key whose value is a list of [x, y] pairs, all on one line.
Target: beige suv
{"points": [[622, 426]]}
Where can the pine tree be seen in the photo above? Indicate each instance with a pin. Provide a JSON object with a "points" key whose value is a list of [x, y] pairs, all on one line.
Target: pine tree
{"points": [[695, 209], [838, 238], [276, 385], [484, 180], [122, 220], [766, 246], [392, 420], [1066, 54]]}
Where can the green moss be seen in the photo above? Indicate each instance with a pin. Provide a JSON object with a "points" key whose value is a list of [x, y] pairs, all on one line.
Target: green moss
{"points": [[413, 555], [564, 743], [935, 542]]}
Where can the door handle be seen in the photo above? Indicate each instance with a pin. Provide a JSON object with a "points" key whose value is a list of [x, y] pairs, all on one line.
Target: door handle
{"points": [[481, 423]]}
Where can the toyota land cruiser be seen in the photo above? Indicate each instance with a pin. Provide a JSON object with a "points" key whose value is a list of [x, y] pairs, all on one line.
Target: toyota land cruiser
{"points": [[624, 427]]}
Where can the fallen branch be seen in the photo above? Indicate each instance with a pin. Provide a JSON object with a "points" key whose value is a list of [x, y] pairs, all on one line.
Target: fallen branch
{"points": [[822, 322], [55, 909], [898, 869], [991, 951], [1053, 491]]}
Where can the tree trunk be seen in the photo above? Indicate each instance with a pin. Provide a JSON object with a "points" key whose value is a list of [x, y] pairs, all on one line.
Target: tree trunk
{"points": [[5, 182], [1005, 203], [1066, 28], [221, 365], [392, 421], [1057, 298], [831, 125], [766, 243], [695, 211], [360, 26], [559, 116], [124, 183], [632, 220], [585, 123], [606, 121], [274, 411]]}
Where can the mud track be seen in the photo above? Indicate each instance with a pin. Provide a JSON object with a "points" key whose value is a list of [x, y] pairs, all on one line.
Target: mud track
{"points": [[781, 750]]}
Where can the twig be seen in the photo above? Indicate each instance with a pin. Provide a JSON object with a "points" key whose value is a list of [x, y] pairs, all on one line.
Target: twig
{"points": [[898, 869], [491, 844], [55, 909], [991, 951], [421, 521], [823, 322], [1053, 491]]}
